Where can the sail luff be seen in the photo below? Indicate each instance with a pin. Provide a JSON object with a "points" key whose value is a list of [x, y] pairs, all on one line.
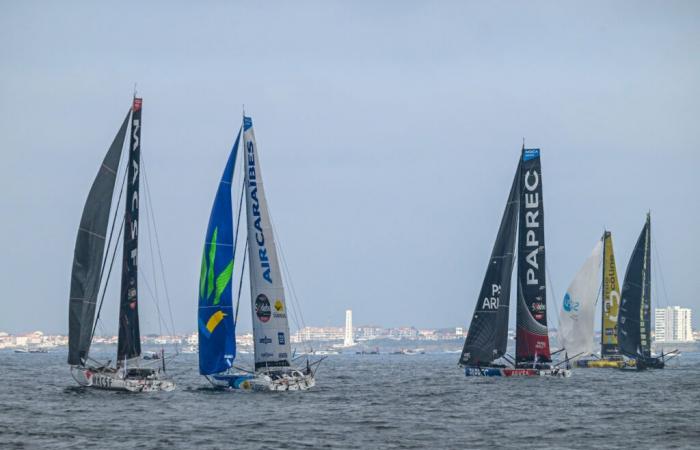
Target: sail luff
{"points": [[89, 251], [216, 325], [129, 345], [268, 305], [611, 301], [532, 340], [488, 331]]}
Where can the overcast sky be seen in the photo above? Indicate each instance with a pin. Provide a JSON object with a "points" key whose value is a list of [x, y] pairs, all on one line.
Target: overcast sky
{"points": [[388, 137]]}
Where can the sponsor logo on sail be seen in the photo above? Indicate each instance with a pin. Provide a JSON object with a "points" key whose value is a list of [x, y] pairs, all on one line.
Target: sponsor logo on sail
{"points": [[255, 208], [265, 340], [568, 305], [531, 200], [493, 301], [267, 355], [282, 355], [280, 338], [278, 305], [262, 308]]}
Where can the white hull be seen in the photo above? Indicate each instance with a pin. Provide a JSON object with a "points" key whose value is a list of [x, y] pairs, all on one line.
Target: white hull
{"points": [[293, 380], [114, 380]]}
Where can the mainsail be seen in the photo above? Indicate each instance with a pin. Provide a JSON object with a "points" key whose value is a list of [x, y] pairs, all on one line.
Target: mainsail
{"points": [[129, 345], [488, 332], [270, 325], [577, 314], [89, 252], [634, 322], [532, 340], [611, 301], [217, 333]]}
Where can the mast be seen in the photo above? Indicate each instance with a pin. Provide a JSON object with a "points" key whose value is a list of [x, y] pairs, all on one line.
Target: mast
{"points": [[216, 325], [611, 301], [269, 308], [532, 340], [488, 332], [89, 251], [129, 337]]}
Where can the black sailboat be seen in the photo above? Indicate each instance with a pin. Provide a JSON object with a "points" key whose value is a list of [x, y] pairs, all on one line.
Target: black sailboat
{"points": [[487, 338], [634, 320], [91, 265]]}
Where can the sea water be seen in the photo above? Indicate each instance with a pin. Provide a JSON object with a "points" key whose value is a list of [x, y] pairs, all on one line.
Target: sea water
{"points": [[360, 401]]}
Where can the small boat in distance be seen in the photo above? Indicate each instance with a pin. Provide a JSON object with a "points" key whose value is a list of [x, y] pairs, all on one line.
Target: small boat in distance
{"points": [[274, 368], [484, 352], [91, 262], [634, 320]]}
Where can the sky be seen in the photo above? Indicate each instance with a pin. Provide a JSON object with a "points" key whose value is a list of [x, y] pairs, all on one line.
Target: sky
{"points": [[388, 135]]}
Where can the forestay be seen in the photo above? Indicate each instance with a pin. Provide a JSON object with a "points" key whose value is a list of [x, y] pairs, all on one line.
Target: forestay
{"points": [[577, 314], [270, 324]]}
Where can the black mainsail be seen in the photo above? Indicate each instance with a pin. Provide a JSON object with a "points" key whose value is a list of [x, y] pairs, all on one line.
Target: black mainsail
{"points": [[532, 339], [89, 252], [129, 336], [634, 322], [488, 332]]}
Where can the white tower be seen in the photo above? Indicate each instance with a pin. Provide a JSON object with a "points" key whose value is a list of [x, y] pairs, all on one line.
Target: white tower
{"points": [[348, 341]]}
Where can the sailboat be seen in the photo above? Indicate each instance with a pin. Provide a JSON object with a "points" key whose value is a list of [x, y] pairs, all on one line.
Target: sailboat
{"points": [[634, 319], [90, 264], [484, 351], [274, 368], [610, 356]]}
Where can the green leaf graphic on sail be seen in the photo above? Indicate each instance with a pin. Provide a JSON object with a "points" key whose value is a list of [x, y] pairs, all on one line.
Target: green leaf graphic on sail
{"points": [[212, 285]]}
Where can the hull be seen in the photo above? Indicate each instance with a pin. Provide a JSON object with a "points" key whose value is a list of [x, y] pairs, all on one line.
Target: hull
{"points": [[512, 372], [293, 380], [115, 380], [603, 364]]}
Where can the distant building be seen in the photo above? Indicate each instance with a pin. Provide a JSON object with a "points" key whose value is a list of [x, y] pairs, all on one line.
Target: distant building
{"points": [[673, 324], [348, 341]]}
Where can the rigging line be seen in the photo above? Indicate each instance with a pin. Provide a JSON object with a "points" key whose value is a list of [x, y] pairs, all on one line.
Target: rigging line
{"points": [[160, 256], [240, 283], [109, 272], [657, 263], [235, 239], [154, 293], [554, 293]]}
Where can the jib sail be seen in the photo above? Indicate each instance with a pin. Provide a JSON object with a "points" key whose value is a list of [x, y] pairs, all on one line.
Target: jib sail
{"points": [[611, 301], [217, 332], [488, 332], [89, 252]]}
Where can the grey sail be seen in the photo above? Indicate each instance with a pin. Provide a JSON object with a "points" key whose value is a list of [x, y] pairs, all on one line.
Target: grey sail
{"points": [[488, 332], [89, 252], [634, 320]]}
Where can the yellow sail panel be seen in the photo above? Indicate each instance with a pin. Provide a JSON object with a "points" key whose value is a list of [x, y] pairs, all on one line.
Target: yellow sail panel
{"points": [[611, 300]]}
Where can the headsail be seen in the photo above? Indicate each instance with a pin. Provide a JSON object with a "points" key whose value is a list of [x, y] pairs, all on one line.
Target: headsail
{"points": [[634, 321], [532, 340], [270, 325], [89, 252], [488, 332], [611, 301], [577, 314], [129, 345], [217, 332]]}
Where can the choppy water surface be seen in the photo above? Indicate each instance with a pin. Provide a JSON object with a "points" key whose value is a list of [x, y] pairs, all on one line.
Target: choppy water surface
{"points": [[371, 401]]}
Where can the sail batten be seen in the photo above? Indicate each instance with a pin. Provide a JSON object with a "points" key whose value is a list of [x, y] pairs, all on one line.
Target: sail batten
{"points": [[216, 326], [268, 305], [89, 252], [488, 332], [532, 340]]}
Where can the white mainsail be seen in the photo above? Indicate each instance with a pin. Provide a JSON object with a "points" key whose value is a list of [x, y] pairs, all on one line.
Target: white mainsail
{"points": [[577, 314], [270, 325]]}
